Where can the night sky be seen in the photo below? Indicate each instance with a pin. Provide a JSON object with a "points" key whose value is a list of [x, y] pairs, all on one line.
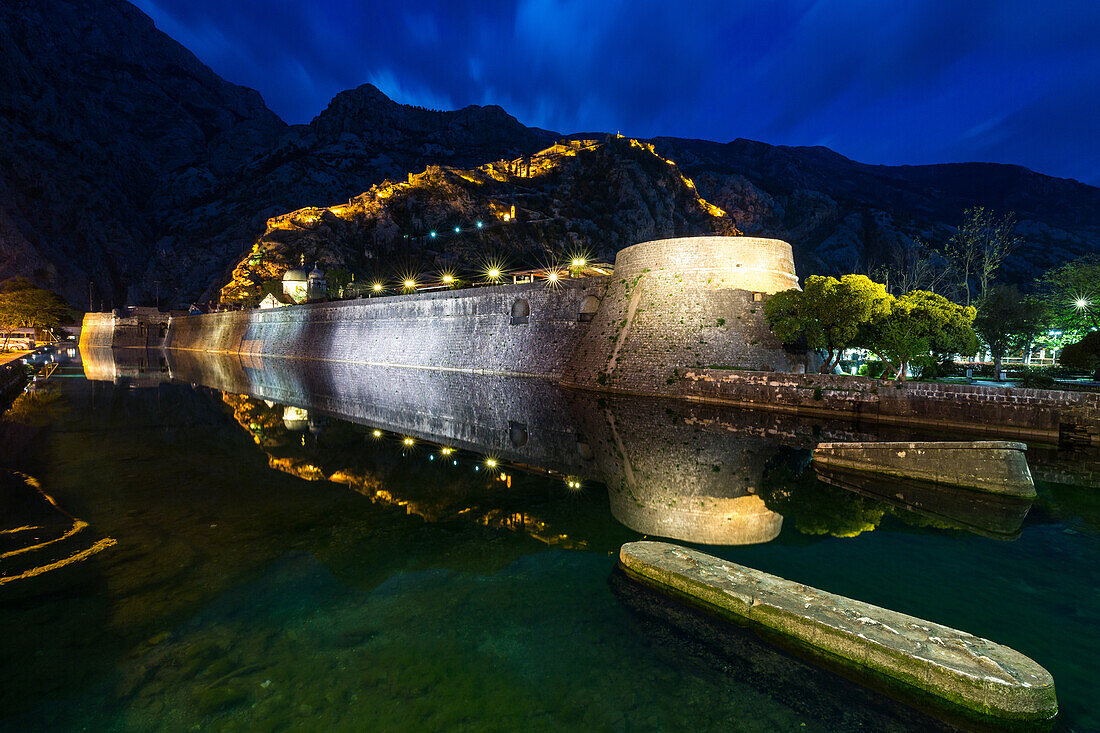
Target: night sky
{"points": [[1014, 81]]}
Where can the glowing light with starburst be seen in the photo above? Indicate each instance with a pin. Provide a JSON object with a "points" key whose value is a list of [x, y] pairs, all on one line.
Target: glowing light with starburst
{"points": [[494, 271]]}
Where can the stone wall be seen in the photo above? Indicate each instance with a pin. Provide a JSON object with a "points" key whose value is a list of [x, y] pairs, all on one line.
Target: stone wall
{"points": [[1027, 414], [523, 330], [689, 303], [142, 328]]}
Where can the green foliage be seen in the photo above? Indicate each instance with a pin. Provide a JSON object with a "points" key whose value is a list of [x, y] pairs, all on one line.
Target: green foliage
{"points": [[338, 278], [1008, 320], [1083, 355], [979, 246], [1072, 295], [1034, 379], [909, 329], [816, 508], [873, 369], [829, 313], [24, 305]]}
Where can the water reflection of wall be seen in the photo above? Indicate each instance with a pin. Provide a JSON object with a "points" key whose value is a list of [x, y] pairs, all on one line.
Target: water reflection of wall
{"points": [[667, 478], [516, 419], [675, 469]]}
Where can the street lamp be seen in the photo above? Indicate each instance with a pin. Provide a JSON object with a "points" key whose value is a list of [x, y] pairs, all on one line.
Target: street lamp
{"points": [[1081, 304]]}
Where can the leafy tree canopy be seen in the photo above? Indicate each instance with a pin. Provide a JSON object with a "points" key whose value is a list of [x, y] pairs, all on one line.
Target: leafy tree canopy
{"points": [[908, 329], [24, 305], [1072, 295], [979, 246], [828, 313], [1083, 355], [1008, 320]]}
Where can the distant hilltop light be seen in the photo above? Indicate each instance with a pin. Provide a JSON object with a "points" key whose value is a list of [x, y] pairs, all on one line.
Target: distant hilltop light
{"points": [[479, 225], [433, 234], [458, 229]]}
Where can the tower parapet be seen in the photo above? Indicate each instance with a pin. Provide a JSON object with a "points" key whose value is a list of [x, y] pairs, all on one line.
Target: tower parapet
{"points": [[686, 303]]}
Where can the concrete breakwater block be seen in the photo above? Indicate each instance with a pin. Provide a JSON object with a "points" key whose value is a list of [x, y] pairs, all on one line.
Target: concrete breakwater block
{"points": [[966, 672], [996, 466]]}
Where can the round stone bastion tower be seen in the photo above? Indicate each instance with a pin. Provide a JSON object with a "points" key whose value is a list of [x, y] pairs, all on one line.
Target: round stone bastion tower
{"points": [[674, 305]]}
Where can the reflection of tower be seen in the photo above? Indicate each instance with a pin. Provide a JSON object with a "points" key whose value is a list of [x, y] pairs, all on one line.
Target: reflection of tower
{"points": [[296, 419], [669, 479]]}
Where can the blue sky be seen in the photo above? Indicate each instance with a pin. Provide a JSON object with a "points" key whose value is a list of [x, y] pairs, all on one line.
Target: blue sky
{"points": [[881, 82]]}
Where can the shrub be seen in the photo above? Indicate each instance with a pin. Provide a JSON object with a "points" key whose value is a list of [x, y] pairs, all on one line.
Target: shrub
{"points": [[1084, 355], [873, 369]]}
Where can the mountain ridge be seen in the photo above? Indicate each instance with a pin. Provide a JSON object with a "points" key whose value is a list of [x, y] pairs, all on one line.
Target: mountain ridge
{"points": [[137, 172]]}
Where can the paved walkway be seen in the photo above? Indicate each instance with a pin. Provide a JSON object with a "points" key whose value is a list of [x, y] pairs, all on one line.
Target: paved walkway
{"points": [[7, 356]]}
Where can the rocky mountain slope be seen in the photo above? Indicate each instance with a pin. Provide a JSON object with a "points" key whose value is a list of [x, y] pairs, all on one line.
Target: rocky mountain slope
{"points": [[132, 170], [585, 197], [107, 124], [133, 166], [839, 214]]}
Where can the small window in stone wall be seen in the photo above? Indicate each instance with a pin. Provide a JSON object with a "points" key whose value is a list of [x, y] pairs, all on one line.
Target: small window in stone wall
{"points": [[141, 327], [163, 329], [758, 297], [517, 433], [588, 308], [521, 311]]}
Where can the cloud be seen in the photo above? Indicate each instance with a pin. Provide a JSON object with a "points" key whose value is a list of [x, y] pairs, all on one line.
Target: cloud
{"points": [[882, 82]]}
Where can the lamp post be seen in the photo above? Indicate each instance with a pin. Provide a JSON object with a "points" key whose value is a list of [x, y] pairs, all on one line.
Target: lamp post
{"points": [[1084, 305]]}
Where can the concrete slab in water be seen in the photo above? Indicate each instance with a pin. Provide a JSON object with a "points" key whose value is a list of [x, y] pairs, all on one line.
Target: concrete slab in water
{"points": [[996, 466], [963, 670]]}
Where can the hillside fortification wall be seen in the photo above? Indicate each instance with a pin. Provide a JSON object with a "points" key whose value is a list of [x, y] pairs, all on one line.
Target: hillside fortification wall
{"points": [[519, 330], [671, 305], [687, 303]]}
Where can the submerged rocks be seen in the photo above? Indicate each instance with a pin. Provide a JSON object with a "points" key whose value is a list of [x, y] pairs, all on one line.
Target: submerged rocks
{"points": [[914, 657]]}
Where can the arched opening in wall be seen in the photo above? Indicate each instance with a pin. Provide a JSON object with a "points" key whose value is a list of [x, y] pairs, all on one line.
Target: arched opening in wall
{"points": [[521, 311], [163, 329], [141, 328], [517, 433], [588, 308]]}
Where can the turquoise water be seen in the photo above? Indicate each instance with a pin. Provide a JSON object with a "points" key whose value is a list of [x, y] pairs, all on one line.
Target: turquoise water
{"points": [[275, 570]]}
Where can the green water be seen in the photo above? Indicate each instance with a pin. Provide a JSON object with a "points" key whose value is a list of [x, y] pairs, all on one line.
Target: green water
{"points": [[415, 594]]}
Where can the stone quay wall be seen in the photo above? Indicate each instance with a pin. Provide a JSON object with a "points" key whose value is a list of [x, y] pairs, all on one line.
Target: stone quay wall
{"points": [[1027, 414], [520, 330], [690, 303]]}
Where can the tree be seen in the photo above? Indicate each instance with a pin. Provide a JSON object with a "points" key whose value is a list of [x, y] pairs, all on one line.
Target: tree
{"points": [[908, 329], [1083, 355], [24, 305], [828, 313], [1006, 320], [979, 246], [909, 266], [1072, 295]]}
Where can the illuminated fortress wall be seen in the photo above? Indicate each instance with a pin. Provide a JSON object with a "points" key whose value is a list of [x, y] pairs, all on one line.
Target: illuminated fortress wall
{"points": [[670, 306], [679, 304], [521, 330]]}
